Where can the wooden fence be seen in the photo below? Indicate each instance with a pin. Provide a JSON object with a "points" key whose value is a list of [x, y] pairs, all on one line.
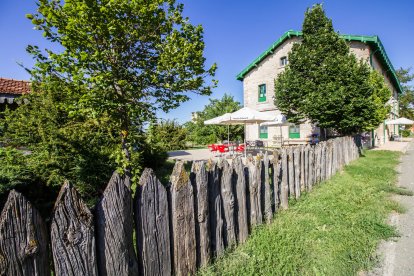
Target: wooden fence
{"points": [[178, 229]]}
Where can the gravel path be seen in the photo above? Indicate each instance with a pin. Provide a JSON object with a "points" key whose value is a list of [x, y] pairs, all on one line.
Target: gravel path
{"points": [[397, 256]]}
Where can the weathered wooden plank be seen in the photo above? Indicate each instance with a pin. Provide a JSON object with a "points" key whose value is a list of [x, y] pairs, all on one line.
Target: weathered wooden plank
{"points": [[254, 190], [227, 195], [268, 214], [199, 180], [323, 161], [183, 222], [306, 169], [291, 172], [72, 235], [23, 239], [302, 168], [284, 185], [276, 179], [114, 227], [215, 209], [261, 187], [152, 226], [239, 179], [311, 169], [296, 165]]}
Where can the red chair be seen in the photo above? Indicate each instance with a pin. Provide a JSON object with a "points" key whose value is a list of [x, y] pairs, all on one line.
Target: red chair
{"points": [[213, 147], [240, 148], [223, 148]]}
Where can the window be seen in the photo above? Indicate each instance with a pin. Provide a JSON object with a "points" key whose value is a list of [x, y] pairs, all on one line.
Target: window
{"points": [[283, 61], [263, 132], [294, 132], [262, 93]]}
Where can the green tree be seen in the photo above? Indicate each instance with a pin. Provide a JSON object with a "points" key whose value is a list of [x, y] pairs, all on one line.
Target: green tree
{"points": [[204, 134], [111, 66], [167, 135], [406, 99], [326, 84]]}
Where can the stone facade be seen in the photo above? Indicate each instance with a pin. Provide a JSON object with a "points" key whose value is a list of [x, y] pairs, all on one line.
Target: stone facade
{"points": [[267, 70]]}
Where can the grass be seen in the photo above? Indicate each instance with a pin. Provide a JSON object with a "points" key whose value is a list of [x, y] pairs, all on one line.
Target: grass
{"points": [[334, 230]]}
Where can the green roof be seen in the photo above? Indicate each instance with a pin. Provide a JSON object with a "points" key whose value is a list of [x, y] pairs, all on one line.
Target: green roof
{"points": [[373, 41]]}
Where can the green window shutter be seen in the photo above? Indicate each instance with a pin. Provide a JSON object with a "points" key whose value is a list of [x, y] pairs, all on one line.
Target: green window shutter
{"points": [[262, 93], [294, 132], [263, 134]]}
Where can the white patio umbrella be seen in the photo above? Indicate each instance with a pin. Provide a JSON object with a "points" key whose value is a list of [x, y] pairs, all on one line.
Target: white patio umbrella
{"points": [[400, 121], [221, 120], [244, 116]]}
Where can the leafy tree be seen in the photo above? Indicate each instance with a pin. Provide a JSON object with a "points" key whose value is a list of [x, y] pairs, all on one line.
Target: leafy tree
{"points": [[327, 85], [406, 99], [205, 134], [167, 135], [112, 65]]}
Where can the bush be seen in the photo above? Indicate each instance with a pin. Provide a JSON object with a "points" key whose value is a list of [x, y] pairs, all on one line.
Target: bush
{"points": [[405, 133]]}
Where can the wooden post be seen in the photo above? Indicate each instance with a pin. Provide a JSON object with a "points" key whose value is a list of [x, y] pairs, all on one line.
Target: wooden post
{"points": [[276, 179], [284, 186], [296, 165], [311, 168], [23, 239], [268, 191], [227, 196], [306, 169], [323, 161], [241, 206], [72, 235], [114, 226], [291, 172], [302, 168], [199, 180], [215, 208], [152, 226], [254, 190], [183, 223]]}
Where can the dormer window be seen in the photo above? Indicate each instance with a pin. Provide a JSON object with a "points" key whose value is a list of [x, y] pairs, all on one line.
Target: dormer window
{"points": [[283, 61]]}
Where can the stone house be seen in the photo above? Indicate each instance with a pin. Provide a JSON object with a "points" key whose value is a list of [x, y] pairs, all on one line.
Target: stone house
{"points": [[10, 91], [258, 87]]}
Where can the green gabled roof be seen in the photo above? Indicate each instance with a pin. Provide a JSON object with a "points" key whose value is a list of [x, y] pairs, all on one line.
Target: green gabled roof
{"points": [[373, 41]]}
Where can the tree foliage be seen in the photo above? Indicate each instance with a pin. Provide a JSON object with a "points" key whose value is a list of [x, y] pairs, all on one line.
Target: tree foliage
{"points": [[111, 66], [327, 85], [204, 134], [406, 99], [167, 135]]}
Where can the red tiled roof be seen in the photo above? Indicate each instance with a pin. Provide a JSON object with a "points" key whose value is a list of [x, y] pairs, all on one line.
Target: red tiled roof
{"points": [[17, 87]]}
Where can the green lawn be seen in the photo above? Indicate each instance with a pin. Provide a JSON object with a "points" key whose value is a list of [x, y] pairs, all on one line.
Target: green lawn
{"points": [[334, 230]]}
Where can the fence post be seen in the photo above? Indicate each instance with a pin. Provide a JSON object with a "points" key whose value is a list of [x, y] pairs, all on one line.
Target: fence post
{"points": [[239, 179], [23, 239], [296, 164], [311, 168], [254, 190], [276, 179], [152, 226], [306, 169], [302, 168], [284, 185], [199, 180], [291, 172], [268, 190], [183, 223], [227, 196], [72, 235], [215, 208], [114, 226]]}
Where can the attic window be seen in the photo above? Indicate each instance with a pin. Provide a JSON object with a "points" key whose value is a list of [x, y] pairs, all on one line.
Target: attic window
{"points": [[283, 61]]}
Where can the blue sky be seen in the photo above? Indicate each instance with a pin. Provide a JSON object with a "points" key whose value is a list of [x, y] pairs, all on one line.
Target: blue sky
{"points": [[235, 33]]}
